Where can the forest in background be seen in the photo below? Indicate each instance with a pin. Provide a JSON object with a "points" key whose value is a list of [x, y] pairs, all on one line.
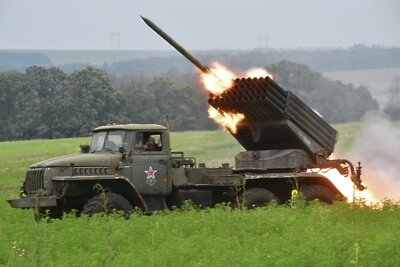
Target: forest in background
{"points": [[44, 102], [54, 94]]}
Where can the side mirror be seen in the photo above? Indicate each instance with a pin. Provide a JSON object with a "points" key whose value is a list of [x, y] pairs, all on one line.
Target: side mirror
{"points": [[85, 148], [122, 150]]}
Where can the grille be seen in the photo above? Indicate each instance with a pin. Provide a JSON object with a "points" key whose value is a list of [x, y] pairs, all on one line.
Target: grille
{"points": [[34, 180], [91, 171]]}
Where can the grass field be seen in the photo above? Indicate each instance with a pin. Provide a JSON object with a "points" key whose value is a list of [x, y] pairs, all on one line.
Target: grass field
{"points": [[289, 235]]}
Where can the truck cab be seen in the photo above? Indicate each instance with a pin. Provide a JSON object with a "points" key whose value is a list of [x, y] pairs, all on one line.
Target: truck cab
{"points": [[133, 160], [145, 155]]}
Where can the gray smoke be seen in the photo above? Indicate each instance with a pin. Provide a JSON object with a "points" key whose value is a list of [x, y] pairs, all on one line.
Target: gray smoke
{"points": [[377, 146]]}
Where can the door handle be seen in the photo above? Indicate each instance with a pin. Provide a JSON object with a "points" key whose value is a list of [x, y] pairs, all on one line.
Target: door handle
{"points": [[161, 161]]}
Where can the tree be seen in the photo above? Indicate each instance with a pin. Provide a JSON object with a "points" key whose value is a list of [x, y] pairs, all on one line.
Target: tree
{"points": [[335, 101], [47, 103], [141, 105], [95, 101], [12, 93], [152, 99], [50, 85]]}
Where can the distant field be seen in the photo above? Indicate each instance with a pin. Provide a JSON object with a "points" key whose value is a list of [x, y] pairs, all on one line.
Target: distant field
{"points": [[94, 57], [61, 57], [378, 81], [297, 235]]}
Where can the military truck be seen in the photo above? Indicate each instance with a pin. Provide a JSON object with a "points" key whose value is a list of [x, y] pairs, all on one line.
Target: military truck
{"points": [[132, 165]]}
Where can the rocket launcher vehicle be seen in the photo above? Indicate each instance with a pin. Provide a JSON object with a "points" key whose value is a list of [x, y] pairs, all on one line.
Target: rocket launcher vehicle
{"points": [[275, 119], [280, 133]]}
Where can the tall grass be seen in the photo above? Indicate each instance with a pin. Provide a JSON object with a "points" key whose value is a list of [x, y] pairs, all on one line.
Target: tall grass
{"points": [[314, 235]]}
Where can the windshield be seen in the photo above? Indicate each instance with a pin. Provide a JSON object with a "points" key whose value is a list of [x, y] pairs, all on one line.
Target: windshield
{"points": [[110, 141]]}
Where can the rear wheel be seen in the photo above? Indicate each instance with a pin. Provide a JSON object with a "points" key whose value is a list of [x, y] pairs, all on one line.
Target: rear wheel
{"points": [[256, 197], [322, 193], [48, 213], [106, 203]]}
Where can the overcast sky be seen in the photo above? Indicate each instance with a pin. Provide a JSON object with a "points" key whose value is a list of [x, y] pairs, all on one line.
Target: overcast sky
{"points": [[197, 25]]}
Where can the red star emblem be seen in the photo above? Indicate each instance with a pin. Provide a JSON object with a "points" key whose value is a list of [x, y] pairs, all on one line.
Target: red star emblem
{"points": [[150, 173]]}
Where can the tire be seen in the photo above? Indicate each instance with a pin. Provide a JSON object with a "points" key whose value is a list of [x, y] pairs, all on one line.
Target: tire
{"points": [[107, 203], [48, 213], [322, 193], [256, 197]]}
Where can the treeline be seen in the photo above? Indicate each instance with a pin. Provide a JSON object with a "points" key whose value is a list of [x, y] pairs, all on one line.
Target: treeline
{"points": [[354, 58], [49, 103], [20, 60]]}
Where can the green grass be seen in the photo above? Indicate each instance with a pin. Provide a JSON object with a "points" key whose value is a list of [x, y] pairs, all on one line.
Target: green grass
{"points": [[314, 235], [15, 157], [210, 147]]}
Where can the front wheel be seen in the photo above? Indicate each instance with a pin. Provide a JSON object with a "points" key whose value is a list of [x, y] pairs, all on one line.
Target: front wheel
{"points": [[106, 203], [256, 197], [322, 193]]}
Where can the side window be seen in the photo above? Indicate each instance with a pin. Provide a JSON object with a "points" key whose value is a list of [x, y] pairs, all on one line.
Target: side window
{"points": [[148, 141]]}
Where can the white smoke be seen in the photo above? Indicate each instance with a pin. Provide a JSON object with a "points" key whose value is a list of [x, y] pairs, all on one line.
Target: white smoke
{"points": [[377, 146]]}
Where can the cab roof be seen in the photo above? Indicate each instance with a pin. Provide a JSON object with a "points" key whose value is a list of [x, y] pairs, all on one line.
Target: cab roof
{"points": [[130, 127]]}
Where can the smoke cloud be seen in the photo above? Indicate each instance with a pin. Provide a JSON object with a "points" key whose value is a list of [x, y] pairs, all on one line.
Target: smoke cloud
{"points": [[378, 148]]}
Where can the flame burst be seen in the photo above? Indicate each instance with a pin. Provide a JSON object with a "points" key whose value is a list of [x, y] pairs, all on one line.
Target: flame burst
{"points": [[227, 120], [218, 81], [258, 72], [346, 187]]}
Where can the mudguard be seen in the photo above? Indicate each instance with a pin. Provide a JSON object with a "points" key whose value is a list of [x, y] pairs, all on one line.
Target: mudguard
{"points": [[108, 182]]}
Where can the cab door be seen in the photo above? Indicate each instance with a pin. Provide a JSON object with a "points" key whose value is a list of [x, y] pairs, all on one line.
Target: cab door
{"points": [[150, 161]]}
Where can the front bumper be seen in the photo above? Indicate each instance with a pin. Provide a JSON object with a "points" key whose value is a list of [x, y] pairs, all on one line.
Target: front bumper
{"points": [[32, 202]]}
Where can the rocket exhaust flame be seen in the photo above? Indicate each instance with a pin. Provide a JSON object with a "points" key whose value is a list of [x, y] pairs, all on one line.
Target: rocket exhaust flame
{"points": [[347, 188], [216, 80], [257, 73], [227, 120], [220, 80]]}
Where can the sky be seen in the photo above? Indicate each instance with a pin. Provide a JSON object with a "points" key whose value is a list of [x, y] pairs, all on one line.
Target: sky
{"points": [[198, 25]]}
